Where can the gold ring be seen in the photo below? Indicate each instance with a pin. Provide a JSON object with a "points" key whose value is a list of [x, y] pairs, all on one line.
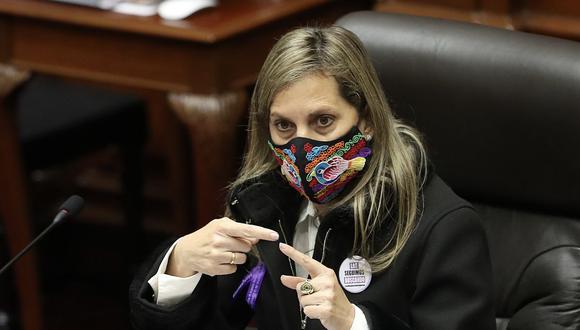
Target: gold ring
{"points": [[306, 288], [233, 260]]}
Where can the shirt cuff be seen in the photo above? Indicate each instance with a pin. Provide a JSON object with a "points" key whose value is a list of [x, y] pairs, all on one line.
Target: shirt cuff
{"points": [[171, 290], [360, 321]]}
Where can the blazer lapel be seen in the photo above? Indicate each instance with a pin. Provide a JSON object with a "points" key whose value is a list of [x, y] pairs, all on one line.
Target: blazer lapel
{"points": [[277, 264]]}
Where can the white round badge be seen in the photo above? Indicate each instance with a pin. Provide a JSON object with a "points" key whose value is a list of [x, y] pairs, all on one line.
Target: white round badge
{"points": [[355, 274]]}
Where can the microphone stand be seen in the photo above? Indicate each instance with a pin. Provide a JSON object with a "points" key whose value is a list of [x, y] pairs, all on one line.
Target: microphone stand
{"points": [[70, 207]]}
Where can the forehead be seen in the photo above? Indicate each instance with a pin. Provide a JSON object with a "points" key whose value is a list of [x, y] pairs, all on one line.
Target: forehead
{"points": [[310, 93]]}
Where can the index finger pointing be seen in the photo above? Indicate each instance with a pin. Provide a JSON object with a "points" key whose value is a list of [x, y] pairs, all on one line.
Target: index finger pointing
{"points": [[236, 229], [312, 266]]}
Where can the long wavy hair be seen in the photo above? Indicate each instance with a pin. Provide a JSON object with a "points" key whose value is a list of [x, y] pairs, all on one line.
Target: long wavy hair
{"points": [[389, 189]]}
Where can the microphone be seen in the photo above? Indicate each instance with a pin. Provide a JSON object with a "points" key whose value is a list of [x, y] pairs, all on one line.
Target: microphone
{"points": [[71, 207]]}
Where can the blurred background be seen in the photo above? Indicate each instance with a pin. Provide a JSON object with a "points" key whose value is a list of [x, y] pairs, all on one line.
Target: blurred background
{"points": [[144, 116]]}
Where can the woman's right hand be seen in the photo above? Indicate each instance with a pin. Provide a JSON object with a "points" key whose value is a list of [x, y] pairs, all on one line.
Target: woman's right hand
{"points": [[211, 249]]}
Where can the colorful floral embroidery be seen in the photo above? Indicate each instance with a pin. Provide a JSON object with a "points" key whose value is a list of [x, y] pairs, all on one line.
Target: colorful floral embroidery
{"points": [[327, 167], [314, 151], [291, 173], [324, 155], [289, 153], [328, 171], [286, 159]]}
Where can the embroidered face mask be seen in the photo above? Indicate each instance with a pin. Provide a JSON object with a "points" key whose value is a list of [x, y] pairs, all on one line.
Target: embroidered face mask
{"points": [[321, 170]]}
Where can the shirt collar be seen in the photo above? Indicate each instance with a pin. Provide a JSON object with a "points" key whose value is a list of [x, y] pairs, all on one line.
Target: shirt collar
{"points": [[308, 211]]}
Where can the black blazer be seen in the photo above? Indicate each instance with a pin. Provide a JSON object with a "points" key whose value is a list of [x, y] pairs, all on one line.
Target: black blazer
{"points": [[440, 280]]}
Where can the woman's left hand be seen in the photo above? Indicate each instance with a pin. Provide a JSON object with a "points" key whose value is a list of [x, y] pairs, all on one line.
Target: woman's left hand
{"points": [[328, 303]]}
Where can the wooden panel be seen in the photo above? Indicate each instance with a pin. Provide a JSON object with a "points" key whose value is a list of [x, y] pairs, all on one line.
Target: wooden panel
{"points": [[469, 12], [420, 9], [556, 18], [148, 61], [109, 56], [459, 4], [4, 39], [561, 7], [496, 6], [233, 17], [549, 24], [139, 61]]}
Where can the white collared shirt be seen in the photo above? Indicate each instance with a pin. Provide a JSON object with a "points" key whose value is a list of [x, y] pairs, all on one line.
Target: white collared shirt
{"points": [[171, 290], [305, 233]]}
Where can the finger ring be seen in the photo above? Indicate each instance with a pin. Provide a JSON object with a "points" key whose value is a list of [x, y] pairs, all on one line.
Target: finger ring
{"points": [[306, 288], [233, 260]]}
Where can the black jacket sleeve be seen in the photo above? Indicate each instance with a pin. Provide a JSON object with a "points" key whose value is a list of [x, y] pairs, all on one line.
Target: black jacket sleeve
{"points": [[210, 306], [453, 284]]}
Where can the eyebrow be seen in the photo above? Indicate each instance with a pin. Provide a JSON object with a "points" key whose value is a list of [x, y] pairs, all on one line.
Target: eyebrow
{"points": [[323, 111], [315, 113], [275, 114]]}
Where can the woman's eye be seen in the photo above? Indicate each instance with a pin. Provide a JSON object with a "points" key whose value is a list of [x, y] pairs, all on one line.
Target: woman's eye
{"points": [[325, 121], [283, 125]]}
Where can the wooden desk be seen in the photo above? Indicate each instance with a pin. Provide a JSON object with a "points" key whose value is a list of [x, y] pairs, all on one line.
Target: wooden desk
{"points": [[203, 63]]}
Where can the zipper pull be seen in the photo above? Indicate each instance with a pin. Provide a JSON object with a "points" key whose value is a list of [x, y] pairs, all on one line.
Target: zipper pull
{"points": [[235, 202]]}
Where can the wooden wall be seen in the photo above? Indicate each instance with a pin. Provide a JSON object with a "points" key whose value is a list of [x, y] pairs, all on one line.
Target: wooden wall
{"points": [[559, 18]]}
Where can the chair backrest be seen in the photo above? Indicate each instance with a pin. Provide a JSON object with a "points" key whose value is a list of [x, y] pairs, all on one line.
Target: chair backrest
{"points": [[500, 114]]}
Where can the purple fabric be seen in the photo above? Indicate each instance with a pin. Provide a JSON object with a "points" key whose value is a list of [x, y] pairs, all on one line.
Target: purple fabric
{"points": [[364, 152], [253, 283]]}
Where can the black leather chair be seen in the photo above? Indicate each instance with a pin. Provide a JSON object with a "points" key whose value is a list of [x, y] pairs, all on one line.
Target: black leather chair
{"points": [[500, 113]]}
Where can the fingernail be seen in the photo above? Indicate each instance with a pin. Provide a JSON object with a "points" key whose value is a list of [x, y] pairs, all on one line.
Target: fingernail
{"points": [[274, 235], [283, 246]]}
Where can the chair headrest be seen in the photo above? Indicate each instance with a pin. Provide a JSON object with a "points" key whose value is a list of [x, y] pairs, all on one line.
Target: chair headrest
{"points": [[500, 110]]}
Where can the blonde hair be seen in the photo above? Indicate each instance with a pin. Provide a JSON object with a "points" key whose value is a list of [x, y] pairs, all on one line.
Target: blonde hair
{"points": [[389, 188]]}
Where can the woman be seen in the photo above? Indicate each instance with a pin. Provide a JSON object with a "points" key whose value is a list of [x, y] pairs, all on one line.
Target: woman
{"points": [[339, 223]]}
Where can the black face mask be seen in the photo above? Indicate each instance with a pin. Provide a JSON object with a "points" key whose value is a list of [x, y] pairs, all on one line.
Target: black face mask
{"points": [[321, 170]]}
